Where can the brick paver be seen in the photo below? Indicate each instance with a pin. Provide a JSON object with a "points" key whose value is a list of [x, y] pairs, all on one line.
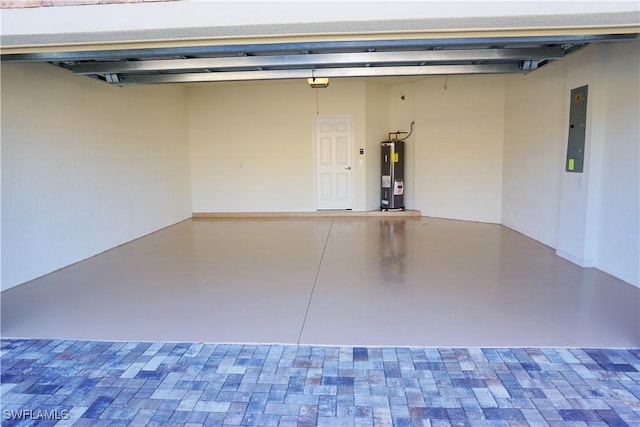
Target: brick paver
{"points": [[66, 382]]}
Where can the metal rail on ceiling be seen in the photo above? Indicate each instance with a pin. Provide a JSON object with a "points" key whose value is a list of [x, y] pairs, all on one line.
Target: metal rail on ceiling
{"points": [[293, 60], [317, 60], [258, 48], [135, 79]]}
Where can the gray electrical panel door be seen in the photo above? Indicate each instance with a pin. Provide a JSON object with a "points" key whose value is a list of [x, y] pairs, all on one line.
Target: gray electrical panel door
{"points": [[392, 185], [577, 130]]}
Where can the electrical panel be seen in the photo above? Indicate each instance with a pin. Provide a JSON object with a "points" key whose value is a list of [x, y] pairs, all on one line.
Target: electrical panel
{"points": [[577, 129]]}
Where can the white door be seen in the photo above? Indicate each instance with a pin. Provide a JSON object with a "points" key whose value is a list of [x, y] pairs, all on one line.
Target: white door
{"points": [[333, 140]]}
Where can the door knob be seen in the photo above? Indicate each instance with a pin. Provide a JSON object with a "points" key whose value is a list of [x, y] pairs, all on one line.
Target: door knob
{"points": [[348, 168]]}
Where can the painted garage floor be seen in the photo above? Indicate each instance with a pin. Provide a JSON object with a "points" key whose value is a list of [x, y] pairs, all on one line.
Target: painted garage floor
{"points": [[331, 322], [342, 281]]}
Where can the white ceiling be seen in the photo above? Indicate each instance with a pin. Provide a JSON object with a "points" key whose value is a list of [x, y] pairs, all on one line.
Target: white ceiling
{"points": [[188, 20]]}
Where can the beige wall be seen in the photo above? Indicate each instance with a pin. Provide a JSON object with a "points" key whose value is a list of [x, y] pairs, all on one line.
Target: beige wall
{"points": [[252, 144], [618, 250], [86, 166], [599, 218], [250, 141], [377, 116], [533, 152], [402, 103], [590, 218], [458, 147]]}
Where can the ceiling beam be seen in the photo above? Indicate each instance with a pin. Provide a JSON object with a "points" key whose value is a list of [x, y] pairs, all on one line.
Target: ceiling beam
{"points": [[327, 59]]}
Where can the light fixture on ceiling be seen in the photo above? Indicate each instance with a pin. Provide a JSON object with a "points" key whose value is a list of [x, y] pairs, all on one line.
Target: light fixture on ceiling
{"points": [[318, 82]]}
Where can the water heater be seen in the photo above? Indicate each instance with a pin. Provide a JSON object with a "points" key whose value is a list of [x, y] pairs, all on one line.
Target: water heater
{"points": [[392, 190]]}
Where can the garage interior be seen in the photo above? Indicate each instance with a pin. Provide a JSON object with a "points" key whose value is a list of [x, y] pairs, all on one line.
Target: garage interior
{"points": [[159, 180], [114, 155]]}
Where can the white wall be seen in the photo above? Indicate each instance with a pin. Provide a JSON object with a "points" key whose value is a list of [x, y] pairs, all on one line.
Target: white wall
{"points": [[591, 218], [402, 100], [252, 144], [579, 198], [377, 116], [535, 109], [459, 147], [86, 166], [599, 209], [251, 140], [618, 245]]}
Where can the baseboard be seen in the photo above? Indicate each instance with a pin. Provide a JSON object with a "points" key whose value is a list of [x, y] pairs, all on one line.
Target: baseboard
{"points": [[585, 263], [315, 214]]}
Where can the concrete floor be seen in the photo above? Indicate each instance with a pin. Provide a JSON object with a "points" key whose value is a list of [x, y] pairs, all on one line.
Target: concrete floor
{"points": [[341, 281]]}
